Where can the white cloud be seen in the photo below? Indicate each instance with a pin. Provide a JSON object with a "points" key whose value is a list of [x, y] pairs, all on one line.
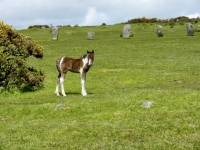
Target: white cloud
{"points": [[94, 18], [23, 13], [195, 15]]}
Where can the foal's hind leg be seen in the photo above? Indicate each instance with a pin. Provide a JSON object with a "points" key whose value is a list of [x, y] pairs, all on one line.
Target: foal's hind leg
{"points": [[57, 87], [62, 72], [60, 81], [62, 85]]}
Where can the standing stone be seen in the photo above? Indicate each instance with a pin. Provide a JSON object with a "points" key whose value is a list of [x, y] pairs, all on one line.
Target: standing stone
{"points": [[54, 33], [126, 31], [91, 35], [190, 29], [159, 31]]}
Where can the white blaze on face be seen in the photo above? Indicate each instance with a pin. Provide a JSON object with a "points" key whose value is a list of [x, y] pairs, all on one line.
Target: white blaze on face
{"points": [[90, 62]]}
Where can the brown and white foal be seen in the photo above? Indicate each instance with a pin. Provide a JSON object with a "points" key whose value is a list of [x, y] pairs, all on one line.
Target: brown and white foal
{"points": [[81, 65]]}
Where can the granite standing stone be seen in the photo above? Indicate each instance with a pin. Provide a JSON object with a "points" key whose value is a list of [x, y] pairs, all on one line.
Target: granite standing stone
{"points": [[91, 35], [160, 31], [54, 33], [190, 29], [126, 31]]}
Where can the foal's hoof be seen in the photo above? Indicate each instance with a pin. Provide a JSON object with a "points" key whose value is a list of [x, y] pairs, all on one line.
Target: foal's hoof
{"points": [[64, 95], [57, 94], [84, 94]]}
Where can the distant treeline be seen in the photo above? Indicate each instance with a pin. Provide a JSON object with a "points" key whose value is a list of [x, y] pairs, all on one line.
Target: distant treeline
{"points": [[38, 26], [171, 21], [46, 26], [155, 20]]}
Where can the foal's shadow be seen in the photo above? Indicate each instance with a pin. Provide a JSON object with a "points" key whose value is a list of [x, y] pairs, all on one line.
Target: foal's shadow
{"points": [[75, 93]]}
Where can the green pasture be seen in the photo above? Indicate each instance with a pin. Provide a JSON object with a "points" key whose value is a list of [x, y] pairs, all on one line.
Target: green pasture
{"points": [[126, 73]]}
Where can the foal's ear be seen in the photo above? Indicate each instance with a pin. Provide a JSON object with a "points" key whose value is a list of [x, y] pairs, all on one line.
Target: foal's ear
{"points": [[90, 52]]}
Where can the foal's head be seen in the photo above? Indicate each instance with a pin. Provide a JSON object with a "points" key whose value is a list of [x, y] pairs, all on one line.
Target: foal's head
{"points": [[90, 57]]}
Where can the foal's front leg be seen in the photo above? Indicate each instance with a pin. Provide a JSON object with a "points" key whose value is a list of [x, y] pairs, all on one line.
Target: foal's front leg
{"points": [[83, 80]]}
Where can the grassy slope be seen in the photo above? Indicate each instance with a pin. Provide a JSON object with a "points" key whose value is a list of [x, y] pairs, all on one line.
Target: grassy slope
{"points": [[126, 73]]}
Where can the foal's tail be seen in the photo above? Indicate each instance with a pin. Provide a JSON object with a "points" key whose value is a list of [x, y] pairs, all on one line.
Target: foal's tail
{"points": [[58, 68]]}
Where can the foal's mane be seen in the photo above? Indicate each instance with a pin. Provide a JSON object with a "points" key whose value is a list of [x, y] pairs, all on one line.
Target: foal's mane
{"points": [[87, 54], [84, 56]]}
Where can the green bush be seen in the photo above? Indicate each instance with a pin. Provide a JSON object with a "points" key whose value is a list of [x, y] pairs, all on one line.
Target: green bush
{"points": [[181, 23], [14, 72], [197, 30]]}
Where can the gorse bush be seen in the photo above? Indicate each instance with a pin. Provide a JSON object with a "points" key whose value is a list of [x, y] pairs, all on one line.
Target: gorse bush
{"points": [[197, 30], [14, 71], [17, 44]]}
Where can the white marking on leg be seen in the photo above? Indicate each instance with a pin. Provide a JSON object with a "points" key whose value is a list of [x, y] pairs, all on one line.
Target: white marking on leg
{"points": [[62, 86], [62, 79], [63, 91], [83, 92], [57, 89], [83, 77]]}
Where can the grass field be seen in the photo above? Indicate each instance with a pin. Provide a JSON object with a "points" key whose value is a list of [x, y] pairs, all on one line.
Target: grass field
{"points": [[126, 73]]}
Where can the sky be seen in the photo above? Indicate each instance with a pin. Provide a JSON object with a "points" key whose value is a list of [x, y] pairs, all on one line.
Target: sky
{"points": [[23, 13]]}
